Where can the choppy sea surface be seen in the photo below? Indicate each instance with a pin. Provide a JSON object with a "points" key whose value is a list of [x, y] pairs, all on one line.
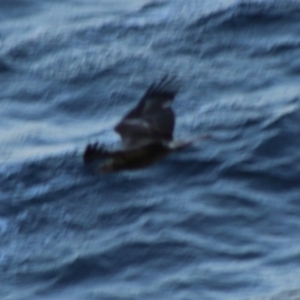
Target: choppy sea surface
{"points": [[220, 220]]}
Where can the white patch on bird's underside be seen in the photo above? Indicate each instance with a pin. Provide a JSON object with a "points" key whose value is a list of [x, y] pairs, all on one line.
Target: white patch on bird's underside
{"points": [[137, 122], [167, 104], [176, 145]]}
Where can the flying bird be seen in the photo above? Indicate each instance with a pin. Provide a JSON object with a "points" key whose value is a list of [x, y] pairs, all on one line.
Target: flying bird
{"points": [[146, 132]]}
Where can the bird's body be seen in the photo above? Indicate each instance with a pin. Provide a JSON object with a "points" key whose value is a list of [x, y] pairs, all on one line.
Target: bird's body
{"points": [[140, 157], [146, 132], [135, 158]]}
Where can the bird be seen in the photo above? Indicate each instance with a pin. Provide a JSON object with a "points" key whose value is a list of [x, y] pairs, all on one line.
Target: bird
{"points": [[146, 132]]}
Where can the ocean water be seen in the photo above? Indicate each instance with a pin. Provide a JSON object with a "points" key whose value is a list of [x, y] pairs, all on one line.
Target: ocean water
{"points": [[220, 220]]}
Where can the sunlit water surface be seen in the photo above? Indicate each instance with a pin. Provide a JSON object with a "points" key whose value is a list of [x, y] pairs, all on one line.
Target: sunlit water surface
{"points": [[219, 220]]}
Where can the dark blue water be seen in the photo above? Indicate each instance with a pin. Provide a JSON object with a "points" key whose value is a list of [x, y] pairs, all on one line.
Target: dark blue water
{"points": [[220, 220]]}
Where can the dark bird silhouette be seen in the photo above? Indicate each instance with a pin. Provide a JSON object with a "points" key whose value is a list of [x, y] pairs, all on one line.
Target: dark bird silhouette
{"points": [[146, 132]]}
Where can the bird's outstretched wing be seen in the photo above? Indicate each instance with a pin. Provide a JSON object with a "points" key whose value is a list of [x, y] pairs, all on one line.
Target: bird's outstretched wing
{"points": [[95, 152], [153, 118]]}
